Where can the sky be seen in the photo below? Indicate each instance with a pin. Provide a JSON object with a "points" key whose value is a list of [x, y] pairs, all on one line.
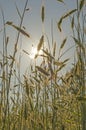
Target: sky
{"points": [[33, 23]]}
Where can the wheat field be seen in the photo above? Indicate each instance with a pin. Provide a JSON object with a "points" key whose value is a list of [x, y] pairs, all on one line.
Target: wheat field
{"points": [[45, 98]]}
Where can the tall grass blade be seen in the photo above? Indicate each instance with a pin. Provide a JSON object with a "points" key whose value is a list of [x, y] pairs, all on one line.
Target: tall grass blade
{"points": [[42, 70], [54, 49], [47, 53], [26, 52], [18, 29], [7, 40], [18, 11], [59, 24], [40, 43], [63, 43], [66, 60], [65, 16], [79, 44], [58, 63], [69, 13]]}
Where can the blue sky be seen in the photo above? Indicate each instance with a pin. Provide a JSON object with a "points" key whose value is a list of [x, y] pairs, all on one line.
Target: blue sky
{"points": [[32, 21]]}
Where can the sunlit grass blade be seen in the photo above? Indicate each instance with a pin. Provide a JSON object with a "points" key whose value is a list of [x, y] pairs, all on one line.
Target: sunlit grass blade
{"points": [[47, 53], [42, 70], [61, 67], [40, 43], [63, 43], [54, 49], [58, 63], [66, 60]]}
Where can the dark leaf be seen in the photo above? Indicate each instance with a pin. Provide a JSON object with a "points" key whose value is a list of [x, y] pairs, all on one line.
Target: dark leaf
{"points": [[72, 23], [81, 4], [42, 14], [81, 98], [69, 13], [59, 24], [27, 9], [60, 1], [25, 52], [9, 22], [63, 43]]}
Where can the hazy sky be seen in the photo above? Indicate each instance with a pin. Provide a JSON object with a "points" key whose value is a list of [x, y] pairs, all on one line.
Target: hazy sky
{"points": [[32, 20]]}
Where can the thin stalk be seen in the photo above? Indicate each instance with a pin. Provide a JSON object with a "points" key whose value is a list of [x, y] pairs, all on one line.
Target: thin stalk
{"points": [[5, 69], [15, 51]]}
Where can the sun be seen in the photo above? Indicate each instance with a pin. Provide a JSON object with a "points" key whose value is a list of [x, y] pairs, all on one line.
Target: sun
{"points": [[34, 52]]}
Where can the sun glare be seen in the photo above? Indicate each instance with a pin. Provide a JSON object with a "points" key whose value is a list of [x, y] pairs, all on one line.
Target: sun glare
{"points": [[34, 52]]}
